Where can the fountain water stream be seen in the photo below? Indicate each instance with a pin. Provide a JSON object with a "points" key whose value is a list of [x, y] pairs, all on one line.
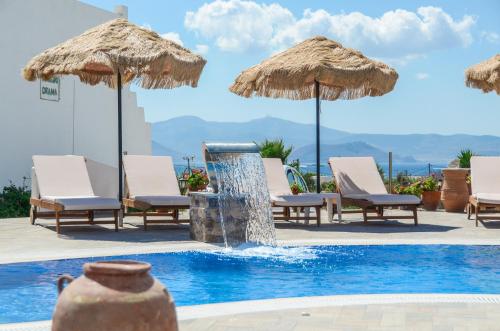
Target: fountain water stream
{"points": [[237, 176]]}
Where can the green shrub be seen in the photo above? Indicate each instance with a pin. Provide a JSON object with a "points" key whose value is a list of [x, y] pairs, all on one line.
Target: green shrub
{"points": [[430, 184], [275, 149], [330, 186], [310, 181], [412, 189], [464, 158], [15, 201]]}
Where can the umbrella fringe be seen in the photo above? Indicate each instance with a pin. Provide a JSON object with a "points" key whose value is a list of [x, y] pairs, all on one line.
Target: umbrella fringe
{"points": [[305, 92], [343, 73], [485, 75], [118, 46]]}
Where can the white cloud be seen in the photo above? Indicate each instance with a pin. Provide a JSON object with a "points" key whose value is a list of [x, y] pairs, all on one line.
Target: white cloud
{"points": [[491, 37], [237, 25], [201, 49], [422, 75], [173, 36]]}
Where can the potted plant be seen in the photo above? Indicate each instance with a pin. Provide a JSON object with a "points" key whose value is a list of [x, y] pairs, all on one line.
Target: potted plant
{"points": [[430, 193], [455, 192], [413, 188], [197, 180], [296, 189]]}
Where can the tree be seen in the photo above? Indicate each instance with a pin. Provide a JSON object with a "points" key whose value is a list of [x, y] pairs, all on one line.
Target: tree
{"points": [[275, 149]]}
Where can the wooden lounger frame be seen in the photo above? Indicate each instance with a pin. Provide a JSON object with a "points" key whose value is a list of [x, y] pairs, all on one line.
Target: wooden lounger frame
{"points": [[367, 206], [286, 215], [475, 206], [58, 212], [147, 209]]}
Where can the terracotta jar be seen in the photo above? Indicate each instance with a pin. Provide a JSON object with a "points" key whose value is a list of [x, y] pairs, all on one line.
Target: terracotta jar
{"points": [[431, 199], [455, 193], [112, 296]]}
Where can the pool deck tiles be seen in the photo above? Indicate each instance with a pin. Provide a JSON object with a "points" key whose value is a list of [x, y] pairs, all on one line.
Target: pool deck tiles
{"points": [[20, 241]]}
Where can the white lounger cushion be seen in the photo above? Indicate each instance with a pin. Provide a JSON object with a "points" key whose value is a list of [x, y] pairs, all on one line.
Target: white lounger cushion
{"points": [[306, 200], [64, 179], [357, 175], [491, 198], [277, 183], [485, 174], [86, 203], [279, 188], [386, 199], [358, 178], [62, 175], [174, 200], [149, 176]]}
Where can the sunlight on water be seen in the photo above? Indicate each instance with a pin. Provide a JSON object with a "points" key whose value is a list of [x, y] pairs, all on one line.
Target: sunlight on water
{"points": [[284, 254], [241, 177]]}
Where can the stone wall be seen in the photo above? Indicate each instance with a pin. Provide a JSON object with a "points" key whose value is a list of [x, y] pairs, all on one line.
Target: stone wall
{"points": [[206, 223]]}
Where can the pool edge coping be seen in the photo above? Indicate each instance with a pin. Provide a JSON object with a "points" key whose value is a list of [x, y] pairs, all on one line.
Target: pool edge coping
{"points": [[199, 246], [280, 304]]}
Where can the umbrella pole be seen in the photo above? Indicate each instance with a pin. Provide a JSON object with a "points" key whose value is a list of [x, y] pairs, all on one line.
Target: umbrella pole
{"points": [[318, 185], [120, 151]]}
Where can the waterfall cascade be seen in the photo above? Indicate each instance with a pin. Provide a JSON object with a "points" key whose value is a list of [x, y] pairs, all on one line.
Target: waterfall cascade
{"points": [[237, 176]]}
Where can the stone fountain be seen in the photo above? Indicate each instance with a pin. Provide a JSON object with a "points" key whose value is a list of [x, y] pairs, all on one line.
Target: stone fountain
{"points": [[238, 209]]}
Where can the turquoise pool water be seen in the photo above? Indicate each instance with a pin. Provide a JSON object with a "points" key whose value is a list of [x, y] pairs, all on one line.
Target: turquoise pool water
{"points": [[28, 291]]}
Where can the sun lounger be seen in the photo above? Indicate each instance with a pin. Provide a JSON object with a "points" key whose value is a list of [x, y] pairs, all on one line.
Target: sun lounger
{"points": [[281, 194], [360, 184], [61, 185], [151, 186], [485, 185]]}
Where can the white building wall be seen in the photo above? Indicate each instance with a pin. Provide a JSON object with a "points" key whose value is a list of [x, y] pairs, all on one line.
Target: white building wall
{"points": [[84, 121]]}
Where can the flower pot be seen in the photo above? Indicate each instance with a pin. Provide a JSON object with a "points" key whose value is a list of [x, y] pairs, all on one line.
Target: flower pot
{"points": [[430, 200], [113, 296], [455, 193]]}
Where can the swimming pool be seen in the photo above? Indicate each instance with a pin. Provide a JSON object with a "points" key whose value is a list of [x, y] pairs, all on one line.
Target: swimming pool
{"points": [[28, 291]]}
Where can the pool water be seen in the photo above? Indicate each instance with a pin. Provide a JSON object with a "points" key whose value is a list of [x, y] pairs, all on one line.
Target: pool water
{"points": [[28, 291]]}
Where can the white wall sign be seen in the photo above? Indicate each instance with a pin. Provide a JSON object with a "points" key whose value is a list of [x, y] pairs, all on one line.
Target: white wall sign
{"points": [[50, 89]]}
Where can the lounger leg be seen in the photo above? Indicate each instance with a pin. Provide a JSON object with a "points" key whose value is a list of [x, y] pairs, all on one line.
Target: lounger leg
{"points": [[32, 215], [365, 216], [91, 216], [145, 219], [58, 225], [476, 210], [115, 215], [469, 207], [318, 216], [176, 214], [415, 217], [380, 211]]}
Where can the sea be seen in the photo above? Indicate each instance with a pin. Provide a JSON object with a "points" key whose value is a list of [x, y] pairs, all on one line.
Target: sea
{"points": [[409, 169]]}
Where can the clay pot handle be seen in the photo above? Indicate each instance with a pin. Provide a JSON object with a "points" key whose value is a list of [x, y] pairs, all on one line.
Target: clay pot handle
{"points": [[61, 280]]}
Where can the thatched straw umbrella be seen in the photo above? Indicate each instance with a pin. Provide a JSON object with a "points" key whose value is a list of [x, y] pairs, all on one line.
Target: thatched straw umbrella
{"points": [[485, 75], [316, 68], [115, 53]]}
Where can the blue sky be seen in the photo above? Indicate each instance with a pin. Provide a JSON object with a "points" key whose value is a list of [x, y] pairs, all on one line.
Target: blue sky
{"points": [[429, 43]]}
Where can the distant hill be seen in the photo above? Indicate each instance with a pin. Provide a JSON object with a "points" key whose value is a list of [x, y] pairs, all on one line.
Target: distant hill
{"points": [[184, 136], [307, 154], [434, 148], [159, 149]]}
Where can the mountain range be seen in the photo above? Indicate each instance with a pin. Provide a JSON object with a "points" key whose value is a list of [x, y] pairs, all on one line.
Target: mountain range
{"points": [[184, 135]]}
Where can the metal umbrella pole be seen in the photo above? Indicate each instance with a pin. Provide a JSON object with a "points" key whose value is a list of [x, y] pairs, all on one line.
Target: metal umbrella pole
{"points": [[120, 142], [318, 185]]}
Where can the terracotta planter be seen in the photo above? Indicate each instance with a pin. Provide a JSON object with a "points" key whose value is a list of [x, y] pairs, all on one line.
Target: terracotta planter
{"points": [[113, 296], [430, 200], [455, 192]]}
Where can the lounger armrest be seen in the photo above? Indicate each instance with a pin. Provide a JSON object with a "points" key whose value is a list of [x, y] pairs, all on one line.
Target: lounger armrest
{"points": [[132, 203], [46, 204]]}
